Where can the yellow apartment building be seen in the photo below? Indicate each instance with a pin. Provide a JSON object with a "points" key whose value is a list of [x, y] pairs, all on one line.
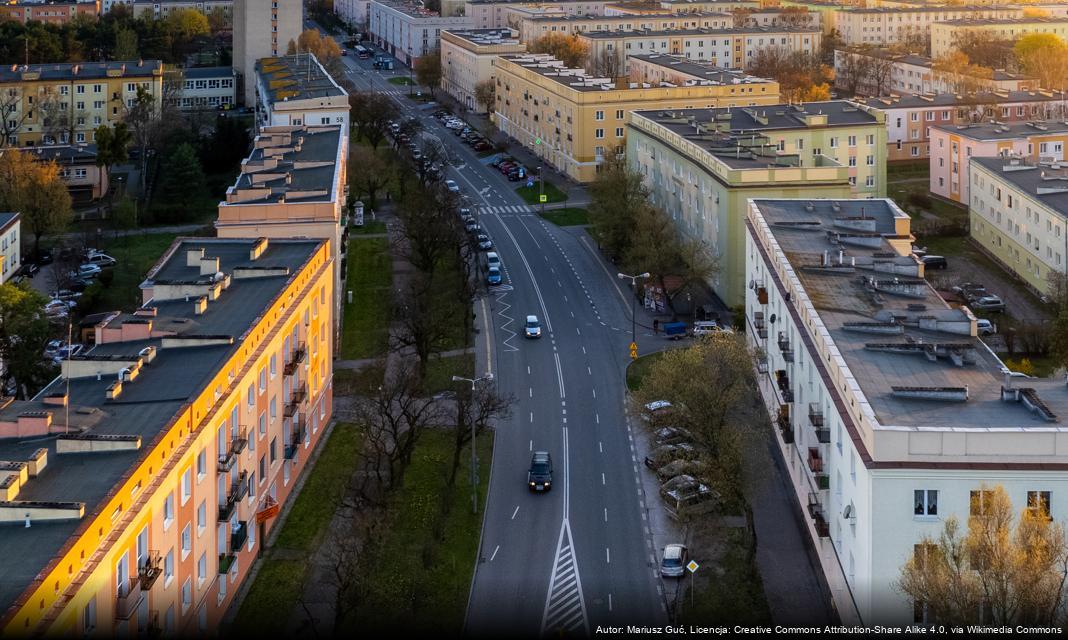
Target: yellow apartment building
{"points": [[140, 484], [65, 103], [573, 120], [944, 35], [467, 59]]}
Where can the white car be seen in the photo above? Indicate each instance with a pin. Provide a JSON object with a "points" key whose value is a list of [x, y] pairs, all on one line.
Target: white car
{"points": [[452, 186], [101, 260], [532, 328], [985, 327]]}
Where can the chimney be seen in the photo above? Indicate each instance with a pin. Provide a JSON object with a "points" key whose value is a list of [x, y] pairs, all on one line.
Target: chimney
{"points": [[200, 305], [193, 257], [258, 247]]}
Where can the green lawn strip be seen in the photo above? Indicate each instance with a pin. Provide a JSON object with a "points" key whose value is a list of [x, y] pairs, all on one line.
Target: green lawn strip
{"points": [[568, 216], [439, 373], [422, 580], [638, 368], [365, 332], [271, 597], [530, 194], [369, 227], [136, 254], [735, 594]]}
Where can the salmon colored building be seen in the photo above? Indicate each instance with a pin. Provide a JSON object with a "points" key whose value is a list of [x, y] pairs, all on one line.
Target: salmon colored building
{"points": [[51, 11]]}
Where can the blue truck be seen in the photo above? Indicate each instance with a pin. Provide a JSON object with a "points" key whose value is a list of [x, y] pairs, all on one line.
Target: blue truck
{"points": [[674, 330]]}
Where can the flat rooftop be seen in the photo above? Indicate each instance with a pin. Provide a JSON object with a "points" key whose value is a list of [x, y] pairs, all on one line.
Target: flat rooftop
{"points": [[485, 37], [707, 72], [296, 77], [702, 31], [860, 294], [1008, 131], [983, 22], [932, 9], [207, 72], [147, 405], [81, 70], [574, 78], [910, 100], [1045, 182], [62, 153], [293, 164], [630, 17]]}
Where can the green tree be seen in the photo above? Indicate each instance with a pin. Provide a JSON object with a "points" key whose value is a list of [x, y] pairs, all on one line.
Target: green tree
{"points": [[36, 191], [126, 45], [112, 145], [124, 214], [486, 94], [566, 48], [181, 188], [23, 332], [1043, 56], [616, 196], [370, 114], [369, 173], [143, 120], [428, 70]]}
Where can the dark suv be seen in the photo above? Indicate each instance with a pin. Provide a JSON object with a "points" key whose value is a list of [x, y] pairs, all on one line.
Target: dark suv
{"points": [[540, 475]]}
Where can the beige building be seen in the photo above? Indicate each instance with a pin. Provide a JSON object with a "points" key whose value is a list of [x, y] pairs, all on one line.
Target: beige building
{"points": [[65, 103], [494, 14], [733, 48], [681, 71], [530, 29], [262, 29], [944, 36], [467, 59], [691, 6], [86, 181], [882, 72], [159, 9], [10, 249], [890, 26], [574, 121], [296, 90]]}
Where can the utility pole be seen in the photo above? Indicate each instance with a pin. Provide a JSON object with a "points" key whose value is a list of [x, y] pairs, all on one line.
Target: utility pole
{"points": [[474, 451], [633, 310]]}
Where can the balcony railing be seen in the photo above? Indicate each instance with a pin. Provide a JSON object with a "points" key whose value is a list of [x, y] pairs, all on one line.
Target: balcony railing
{"points": [[762, 295], [823, 528], [238, 490], [237, 445], [782, 380], [150, 570], [786, 428], [238, 537], [295, 359], [226, 560], [129, 597], [823, 481], [815, 461], [784, 347], [298, 396], [815, 415]]}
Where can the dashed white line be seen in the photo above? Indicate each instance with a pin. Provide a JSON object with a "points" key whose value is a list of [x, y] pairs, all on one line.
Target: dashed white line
{"points": [[607, 555], [495, 553], [589, 371], [600, 447], [597, 418], [578, 331], [528, 369], [583, 350], [594, 393], [515, 512], [532, 416], [531, 392], [606, 514], [602, 479]]}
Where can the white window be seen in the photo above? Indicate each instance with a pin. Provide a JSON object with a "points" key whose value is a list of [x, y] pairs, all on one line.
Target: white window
{"points": [[89, 617], [187, 541], [187, 594], [599, 133], [168, 568], [187, 485], [202, 569], [168, 511], [202, 465], [598, 115]]}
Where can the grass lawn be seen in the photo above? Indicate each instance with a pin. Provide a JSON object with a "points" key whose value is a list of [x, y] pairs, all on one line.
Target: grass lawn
{"points": [[439, 373], [348, 382], [422, 580], [736, 594], [273, 595], [637, 369], [530, 194], [136, 255], [568, 216], [369, 227], [400, 80], [365, 333]]}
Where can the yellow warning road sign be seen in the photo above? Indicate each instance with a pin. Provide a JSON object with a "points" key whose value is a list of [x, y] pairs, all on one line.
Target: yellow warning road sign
{"points": [[634, 350]]}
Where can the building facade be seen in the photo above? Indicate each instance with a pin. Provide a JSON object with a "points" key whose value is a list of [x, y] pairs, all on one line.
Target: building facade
{"points": [[574, 121], [494, 14], [160, 9], [207, 88], [65, 103], [944, 36], [10, 248], [953, 146], [530, 29], [296, 90], [909, 118], [701, 165], [353, 12], [262, 29], [692, 6], [778, 17], [1018, 215], [209, 400], [893, 25], [884, 438], [50, 11], [407, 31], [467, 60], [86, 182], [880, 72]]}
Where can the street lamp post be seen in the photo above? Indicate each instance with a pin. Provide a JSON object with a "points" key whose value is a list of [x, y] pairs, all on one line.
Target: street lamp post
{"points": [[410, 65], [474, 452], [633, 301], [541, 189]]}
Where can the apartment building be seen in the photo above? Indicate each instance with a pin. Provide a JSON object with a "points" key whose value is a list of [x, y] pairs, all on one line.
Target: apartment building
{"points": [[467, 60], [296, 90], [65, 103], [892, 414], [148, 474], [909, 118], [86, 182], [207, 88], [48, 11], [1018, 215], [496, 14], [681, 71], [262, 29], [702, 165], [10, 248], [408, 31], [776, 17], [944, 36], [883, 72], [952, 146], [715, 6], [890, 26], [353, 12], [530, 29], [574, 120], [733, 48], [160, 9]]}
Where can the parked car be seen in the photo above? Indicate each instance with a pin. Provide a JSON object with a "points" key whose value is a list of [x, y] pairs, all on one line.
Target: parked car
{"points": [[85, 271], [52, 348], [970, 289], [672, 435], [988, 303], [484, 242], [532, 329], [540, 474], [985, 327], [657, 410], [493, 260], [675, 468], [666, 453], [65, 295], [452, 186], [473, 228], [674, 330], [66, 352], [934, 262], [673, 561], [28, 269], [493, 276], [686, 493], [708, 327]]}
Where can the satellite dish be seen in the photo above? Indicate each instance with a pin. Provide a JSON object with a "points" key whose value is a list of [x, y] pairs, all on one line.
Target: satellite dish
{"points": [[772, 319], [848, 511], [752, 285]]}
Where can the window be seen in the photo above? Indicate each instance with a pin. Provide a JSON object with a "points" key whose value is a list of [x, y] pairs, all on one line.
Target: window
{"points": [[168, 512], [1038, 504], [619, 114], [187, 541], [926, 502], [263, 468], [202, 569], [274, 365], [202, 517], [852, 141], [619, 132], [187, 594], [250, 395], [274, 450], [599, 115], [599, 133], [263, 379], [187, 485], [168, 568], [980, 502], [89, 616], [263, 424], [202, 465], [834, 143]]}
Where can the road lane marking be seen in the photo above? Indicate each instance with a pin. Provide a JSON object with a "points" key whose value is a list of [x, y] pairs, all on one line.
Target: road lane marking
{"points": [[531, 446], [610, 602], [565, 608], [602, 479], [597, 418], [531, 392], [606, 514], [589, 371], [559, 375], [515, 512], [528, 369], [594, 393], [600, 447], [495, 552], [607, 555], [532, 416], [583, 350]]}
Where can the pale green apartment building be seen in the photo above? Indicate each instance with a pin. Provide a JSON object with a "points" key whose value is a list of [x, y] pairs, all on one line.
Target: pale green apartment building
{"points": [[703, 165]]}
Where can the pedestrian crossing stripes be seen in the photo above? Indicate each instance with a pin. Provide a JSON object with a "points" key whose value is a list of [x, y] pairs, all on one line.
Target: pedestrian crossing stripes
{"points": [[565, 609], [506, 209]]}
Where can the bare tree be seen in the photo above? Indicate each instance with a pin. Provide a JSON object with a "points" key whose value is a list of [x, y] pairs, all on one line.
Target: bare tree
{"points": [[880, 71], [12, 116], [477, 409], [371, 113], [606, 64], [486, 94], [425, 320]]}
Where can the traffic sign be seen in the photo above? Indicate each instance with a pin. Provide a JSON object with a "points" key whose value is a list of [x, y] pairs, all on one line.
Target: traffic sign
{"points": [[692, 566], [543, 198], [530, 183], [537, 140], [634, 350]]}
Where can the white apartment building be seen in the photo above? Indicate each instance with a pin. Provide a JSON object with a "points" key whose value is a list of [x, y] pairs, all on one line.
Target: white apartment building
{"points": [[262, 29], [732, 48], [353, 12], [889, 26], [107, 5], [892, 414], [408, 31], [778, 18], [944, 36], [883, 73], [207, 88], [1018, 215], [532, 28], [297, 91], [495, 14], [10, 243], [467, 59]]}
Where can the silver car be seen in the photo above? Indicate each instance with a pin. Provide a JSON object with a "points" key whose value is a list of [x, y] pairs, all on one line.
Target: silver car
{"points": [[673, 561]]}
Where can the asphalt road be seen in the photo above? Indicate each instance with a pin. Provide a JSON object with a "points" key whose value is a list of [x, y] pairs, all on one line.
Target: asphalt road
{"points": [[579, 556]]}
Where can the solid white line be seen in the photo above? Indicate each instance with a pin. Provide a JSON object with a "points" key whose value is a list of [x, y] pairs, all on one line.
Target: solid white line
{"points": [[495, 551], [606, 514], [567, 481], [559, 375], [515, 512], [607, 556], [597, 418], [533, 280]]}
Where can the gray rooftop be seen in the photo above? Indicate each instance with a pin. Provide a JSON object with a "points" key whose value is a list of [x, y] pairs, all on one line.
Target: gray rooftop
{"points": [[704, 31], [295, 77], [6, 218], [303, 172], [1044, 182], [630, 17], [192, 73], [851, 309], [146, 406], [698, 69], [64, 154], [83, 70], [980, 22], [485, 37], [910, 100], [1008, 131], [933, 9]]}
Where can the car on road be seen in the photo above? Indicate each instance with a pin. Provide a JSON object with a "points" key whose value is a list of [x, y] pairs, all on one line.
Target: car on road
{"points": [[664, 454], [985, 327], [934, 262], [532, 329], [85, 271], [493, 276], [540, 474], [484, 242], [673, 561], [988, 303], [452, 186]]}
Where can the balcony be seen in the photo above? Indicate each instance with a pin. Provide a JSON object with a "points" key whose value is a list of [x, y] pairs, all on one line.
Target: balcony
{"points": [[786, 428], [762, 295], [815, 461], [823, 481], [150, 570], [238, 490], [238, 537], [823, 528], [299, 355], [298, 396], [782, 380], [784, 347], [226, 560], [815, 415], [237, 445], [760, 325], [129, 597], [153, 628]]}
